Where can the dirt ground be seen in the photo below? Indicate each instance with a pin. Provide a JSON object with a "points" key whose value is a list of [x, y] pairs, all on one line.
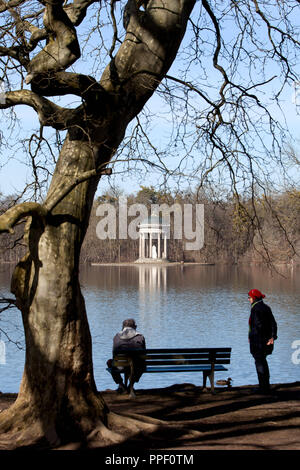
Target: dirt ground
{"points": [[232, 419]]}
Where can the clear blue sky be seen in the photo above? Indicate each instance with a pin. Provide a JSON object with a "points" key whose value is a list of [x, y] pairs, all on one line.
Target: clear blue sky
{"points": [[14, 171]]}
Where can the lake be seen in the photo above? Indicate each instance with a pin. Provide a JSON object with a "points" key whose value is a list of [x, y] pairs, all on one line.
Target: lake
{"points": [[174, 306]]}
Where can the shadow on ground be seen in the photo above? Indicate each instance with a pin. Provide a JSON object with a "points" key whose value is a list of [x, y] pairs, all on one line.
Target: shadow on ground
{"points": [[234, 418], [185, 417]]}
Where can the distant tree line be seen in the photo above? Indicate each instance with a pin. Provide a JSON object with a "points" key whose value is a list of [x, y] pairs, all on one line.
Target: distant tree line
{"points": [[235, 230]]}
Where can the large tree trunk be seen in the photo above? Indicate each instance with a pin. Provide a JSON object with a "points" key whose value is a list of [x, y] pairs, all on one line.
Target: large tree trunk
{"points": [[58, 400]]}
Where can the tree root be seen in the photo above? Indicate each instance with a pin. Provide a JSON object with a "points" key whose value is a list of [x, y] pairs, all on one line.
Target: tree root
{"points": [[133, 429], [20, 429]]}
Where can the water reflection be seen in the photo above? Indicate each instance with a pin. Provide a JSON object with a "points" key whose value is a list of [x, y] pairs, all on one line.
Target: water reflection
{"points": [[176, 306], [194, 277], [152, 278], [152, 285]]}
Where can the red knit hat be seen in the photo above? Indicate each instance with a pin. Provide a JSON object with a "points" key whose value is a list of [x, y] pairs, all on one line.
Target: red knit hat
{"points": [[256, 294]]}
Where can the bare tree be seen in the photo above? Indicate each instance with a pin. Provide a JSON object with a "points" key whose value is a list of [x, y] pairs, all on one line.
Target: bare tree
{"points": [[58, 400]]}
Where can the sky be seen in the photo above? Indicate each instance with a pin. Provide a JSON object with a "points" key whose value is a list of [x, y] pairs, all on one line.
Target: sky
{"points": [[14, 171]]}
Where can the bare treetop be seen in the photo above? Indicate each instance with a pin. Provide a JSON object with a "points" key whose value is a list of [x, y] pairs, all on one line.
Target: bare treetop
{"points": [[237, 59]]}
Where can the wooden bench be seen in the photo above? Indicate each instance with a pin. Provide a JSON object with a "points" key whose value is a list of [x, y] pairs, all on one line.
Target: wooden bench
{"points": [[205, 360]]}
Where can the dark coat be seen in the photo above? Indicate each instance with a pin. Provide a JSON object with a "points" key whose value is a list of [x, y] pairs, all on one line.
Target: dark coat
{"points": [[128, 339], [262, 327]]}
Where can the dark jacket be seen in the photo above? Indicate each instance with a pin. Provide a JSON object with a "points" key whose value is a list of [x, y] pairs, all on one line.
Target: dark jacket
{"points": [[128, 338], [262, 327]]}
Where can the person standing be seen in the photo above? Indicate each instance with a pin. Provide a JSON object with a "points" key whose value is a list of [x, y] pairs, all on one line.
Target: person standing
{"points": [[262, 334]]}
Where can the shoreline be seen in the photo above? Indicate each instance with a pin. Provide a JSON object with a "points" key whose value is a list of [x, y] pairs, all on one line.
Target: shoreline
{"points": [[153, 263], [279, 267], [174, 263]]}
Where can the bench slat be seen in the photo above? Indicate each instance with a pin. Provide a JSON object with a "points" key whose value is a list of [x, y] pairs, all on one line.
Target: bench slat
{"points": [[189, 368], [174, 355], [124, 362], [186, 350], [187, 361], [185, 356], [178, 368]]}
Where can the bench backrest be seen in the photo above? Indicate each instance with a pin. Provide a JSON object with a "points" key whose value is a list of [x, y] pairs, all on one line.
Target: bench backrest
{"points": [[178, 356]]}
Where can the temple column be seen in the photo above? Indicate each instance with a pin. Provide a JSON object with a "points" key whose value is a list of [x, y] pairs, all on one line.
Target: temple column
{"points": [[140, 245], [165, 245], [158, 246], [150, 245], [143, 245], [147, 246]]}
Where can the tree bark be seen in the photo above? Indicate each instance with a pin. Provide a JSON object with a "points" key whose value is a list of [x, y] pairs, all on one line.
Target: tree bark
{"points": [[57, 395], [58, 401]]}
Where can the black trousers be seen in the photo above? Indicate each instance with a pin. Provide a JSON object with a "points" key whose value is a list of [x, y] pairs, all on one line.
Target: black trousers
{"points": [[116, 375], [262, 370], [139, 367]]}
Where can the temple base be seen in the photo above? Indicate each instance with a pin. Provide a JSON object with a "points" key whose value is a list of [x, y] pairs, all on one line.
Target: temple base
{"points": [[152, 261]]}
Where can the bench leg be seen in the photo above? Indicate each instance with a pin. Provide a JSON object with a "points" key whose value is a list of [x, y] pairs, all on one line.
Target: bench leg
{"points": [[205, 375], [125, 379], [131, 381], [212, 381], [211, 375], [130, 388], [131, 391]]}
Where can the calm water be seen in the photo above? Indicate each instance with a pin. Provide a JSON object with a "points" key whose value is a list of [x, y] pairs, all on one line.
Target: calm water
{"points": [[175, 306]]}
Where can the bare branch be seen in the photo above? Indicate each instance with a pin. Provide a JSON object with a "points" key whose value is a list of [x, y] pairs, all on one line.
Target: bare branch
{"points": [[150, 45], [62, 49], [218, 48], [62, 83], [9, 303], [76, 11], [14, 53], [49, 113], [4, 6], [10, 218]]}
